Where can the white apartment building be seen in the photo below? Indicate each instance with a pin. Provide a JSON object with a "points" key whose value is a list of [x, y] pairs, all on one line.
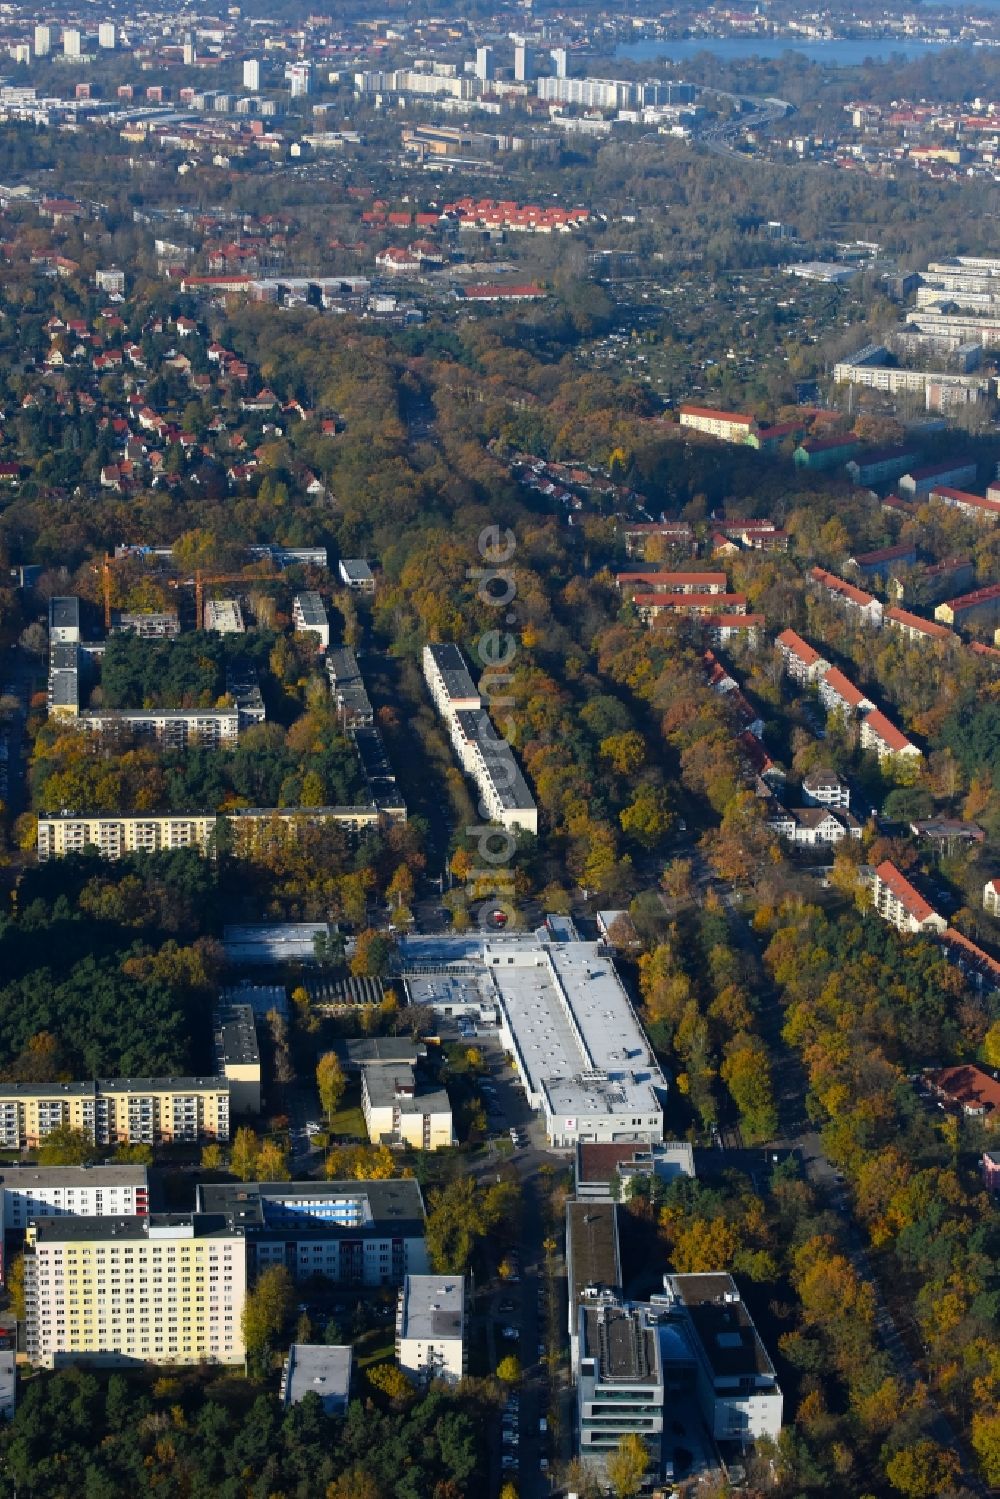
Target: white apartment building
{"points": [[107, 36], [64, 620], [30, 1192], [991, 897], [251, 75], [800, 660], [310, 617], [728, 426], [72, 43], [878, 734], [43, 41], [486, 758], [116, 836], [165, 1289], [897, 902], [589, 93], [430, 1328], [824, 788]]}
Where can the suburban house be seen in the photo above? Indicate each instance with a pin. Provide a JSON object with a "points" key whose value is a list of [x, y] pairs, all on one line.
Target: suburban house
{"points": [[969, 1088]]}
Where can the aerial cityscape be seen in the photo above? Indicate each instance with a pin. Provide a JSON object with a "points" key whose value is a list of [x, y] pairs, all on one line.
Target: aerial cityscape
{"points": [[500, 751]]}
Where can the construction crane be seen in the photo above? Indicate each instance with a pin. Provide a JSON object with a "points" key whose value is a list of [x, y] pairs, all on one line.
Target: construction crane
{"points": [[201, 582]]}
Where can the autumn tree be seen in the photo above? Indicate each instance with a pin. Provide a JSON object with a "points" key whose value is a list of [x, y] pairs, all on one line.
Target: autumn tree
{"points": [[627, 1465], [66, 1146], [266, 1309], [330, 1082]]}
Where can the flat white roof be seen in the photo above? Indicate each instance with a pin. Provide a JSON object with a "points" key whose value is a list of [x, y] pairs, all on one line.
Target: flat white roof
{"points": [[433, 1307], [578, 1037]]}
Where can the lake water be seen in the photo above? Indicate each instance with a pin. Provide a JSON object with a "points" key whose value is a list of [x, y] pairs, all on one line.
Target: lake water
{"points": [[837, 54]]}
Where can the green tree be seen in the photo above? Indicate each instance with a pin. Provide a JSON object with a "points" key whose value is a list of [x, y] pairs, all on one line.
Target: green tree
{"points": [[139, 1154], [390, 1381]]}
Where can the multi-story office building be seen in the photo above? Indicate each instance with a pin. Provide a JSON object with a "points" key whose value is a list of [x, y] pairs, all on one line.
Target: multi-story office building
{"points": [[31, 1192], [363, 1233], [398, 1110], [310, 617], [430, 1327], [147, 1110], [619, 1382], [164, 1289], [733, 1377], [116, 836]]}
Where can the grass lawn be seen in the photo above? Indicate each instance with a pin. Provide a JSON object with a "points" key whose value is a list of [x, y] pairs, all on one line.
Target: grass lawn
{"points": [[375, 1346], [348, 1119]]}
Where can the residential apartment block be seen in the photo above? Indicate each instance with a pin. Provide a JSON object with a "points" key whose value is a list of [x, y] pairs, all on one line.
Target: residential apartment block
{"points": [[981, 608], [430, 1328], [163, 1289], [398, 1110], [899, 903], [237, 1056], [309, 616], [915, 628], [882, 736], [114, 836], [972, 505], [922, 482], [176, 728], [485, 757], [31, 1192], [991, 897], [728, 426], [801, 661], [356, 1233], [151, 1111], [824, 788], [842, 592]]}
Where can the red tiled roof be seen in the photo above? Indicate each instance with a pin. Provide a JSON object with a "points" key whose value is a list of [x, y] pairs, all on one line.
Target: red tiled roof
{"points": [[651, 575], [886, 731], [978, 596], [962, 497], [969, 1086], [838, 585], [736, 417], [844, 688], [910, 899], [916, 622], [799, 647]]}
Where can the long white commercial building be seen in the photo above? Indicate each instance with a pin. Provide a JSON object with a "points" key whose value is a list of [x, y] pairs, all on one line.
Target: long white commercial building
{"points": [[581, 1054], [486, 758]]}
